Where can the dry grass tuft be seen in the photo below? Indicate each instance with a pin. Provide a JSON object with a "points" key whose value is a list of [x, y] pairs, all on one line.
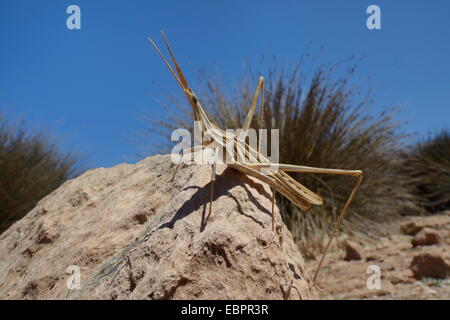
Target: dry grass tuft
{"points": [[30, 168], [428, 165]]}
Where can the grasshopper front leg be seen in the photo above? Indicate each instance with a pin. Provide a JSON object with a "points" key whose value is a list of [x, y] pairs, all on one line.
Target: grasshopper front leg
{"points": [[211, 190]]}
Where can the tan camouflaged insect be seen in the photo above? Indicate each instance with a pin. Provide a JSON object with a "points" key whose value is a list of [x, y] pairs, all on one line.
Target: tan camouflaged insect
{"points": [[279, 180]]}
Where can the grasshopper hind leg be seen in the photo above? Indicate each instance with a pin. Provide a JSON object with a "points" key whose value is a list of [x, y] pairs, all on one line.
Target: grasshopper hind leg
{"points": [[273, 209]]}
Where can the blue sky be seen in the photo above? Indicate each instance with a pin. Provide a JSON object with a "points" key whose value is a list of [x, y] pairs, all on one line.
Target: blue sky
{"points": [[88, 86]]}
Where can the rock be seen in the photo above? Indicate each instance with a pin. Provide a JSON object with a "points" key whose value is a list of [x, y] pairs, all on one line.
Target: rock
{"points": [[436, 222], [425, 237], [411, 228], [353, 251], [402, 280], [430, 265], [135, 234]]}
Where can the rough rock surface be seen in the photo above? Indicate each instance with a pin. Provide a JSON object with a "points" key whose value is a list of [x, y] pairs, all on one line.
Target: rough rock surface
{"points": [[135, 234]]}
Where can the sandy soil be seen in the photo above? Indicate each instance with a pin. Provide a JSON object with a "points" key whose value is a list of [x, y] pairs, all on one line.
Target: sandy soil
{"points": [[393, 253]]}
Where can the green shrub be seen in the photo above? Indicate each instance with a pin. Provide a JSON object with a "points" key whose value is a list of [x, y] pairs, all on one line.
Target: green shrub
{"points": [[30, 168]]}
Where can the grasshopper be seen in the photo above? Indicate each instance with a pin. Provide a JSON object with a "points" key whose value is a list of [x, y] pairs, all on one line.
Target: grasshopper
{"points": [[277, 179]]}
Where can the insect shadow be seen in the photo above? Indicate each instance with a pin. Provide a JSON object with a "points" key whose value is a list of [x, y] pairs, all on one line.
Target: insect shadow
{"points": [[224, 182]]}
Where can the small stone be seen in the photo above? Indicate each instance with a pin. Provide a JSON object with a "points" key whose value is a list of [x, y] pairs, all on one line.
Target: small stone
{"points": [[371, 258], [425, 237], [430, 265], [409, 280], [353, 251], [402, 280], [411, 228], [396, 280]]}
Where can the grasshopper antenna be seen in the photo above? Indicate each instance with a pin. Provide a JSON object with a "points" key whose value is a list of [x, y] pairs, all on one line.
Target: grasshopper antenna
{"points": [[168, 64], [180, 73]]}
